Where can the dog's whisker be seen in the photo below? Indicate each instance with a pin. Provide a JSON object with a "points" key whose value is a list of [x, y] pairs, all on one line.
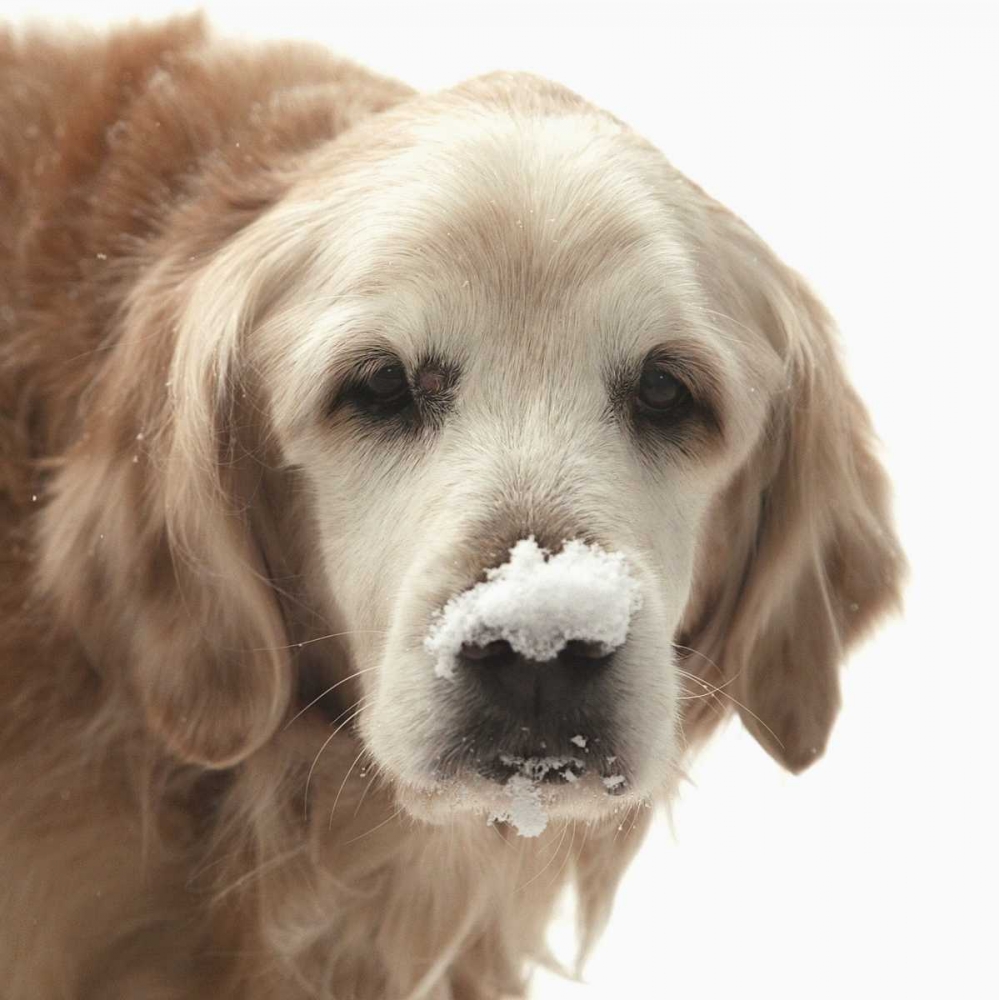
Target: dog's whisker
{"points": [[697, 652], [308, 780], [700, 680], [572, 839], [376, 827], [343, 785], [735, 701], [637, 809], [375, 774], [354, 711], [332, 687], [710, 690], [499, 831], [617, 832], [552, 855], [319, 638], [582, 846]]}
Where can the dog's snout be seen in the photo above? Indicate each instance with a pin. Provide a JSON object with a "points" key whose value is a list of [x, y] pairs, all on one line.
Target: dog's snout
{"points": [[531, 688]]}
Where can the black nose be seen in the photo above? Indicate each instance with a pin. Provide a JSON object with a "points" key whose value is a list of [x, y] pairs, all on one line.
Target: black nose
{"points": [[532, 688]]}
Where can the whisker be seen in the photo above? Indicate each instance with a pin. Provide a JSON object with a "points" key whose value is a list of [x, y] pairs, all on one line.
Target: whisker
{"points": [[582, 847], [320, 638], [565, 861], [639, 806], [551, 858], [710, 690], [355, 711], [332, 687], [734, 700], [308, 780], [343, 784], [375, 773], [497, 829], [378, 826], [697, 652], [620, 827]]}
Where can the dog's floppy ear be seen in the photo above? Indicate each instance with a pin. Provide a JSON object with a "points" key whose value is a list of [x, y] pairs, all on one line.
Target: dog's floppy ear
{"points": [[810, 560], [151, 541]]}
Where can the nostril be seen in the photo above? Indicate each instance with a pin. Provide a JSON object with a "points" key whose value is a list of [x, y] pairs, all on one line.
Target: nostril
{"points": [[499, 651], [524, 685], [579, 651]]}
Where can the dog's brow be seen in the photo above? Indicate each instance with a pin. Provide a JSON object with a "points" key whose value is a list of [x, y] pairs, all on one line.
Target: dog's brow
{"points": [[346, 354]]}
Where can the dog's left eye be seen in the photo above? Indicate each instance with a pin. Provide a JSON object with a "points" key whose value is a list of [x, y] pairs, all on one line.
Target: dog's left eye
{"points": [[388, 383], [382, 390]]}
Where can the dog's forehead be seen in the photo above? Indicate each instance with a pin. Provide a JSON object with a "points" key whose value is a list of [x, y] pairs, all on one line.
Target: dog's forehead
{"points": [[527, 236], [521, 252]]}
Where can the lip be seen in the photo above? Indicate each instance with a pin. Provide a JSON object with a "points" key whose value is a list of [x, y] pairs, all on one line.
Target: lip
{"points": [[536, 768], [493, 744], [527, 791], [529, 808], [567, 770]]}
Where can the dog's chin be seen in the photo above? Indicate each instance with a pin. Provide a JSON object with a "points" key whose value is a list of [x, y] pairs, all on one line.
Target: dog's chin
{"points": [[527, 805]]}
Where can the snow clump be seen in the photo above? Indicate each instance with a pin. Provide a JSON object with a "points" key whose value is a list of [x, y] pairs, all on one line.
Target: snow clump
{"points": [[538, 603], [526, 811]]}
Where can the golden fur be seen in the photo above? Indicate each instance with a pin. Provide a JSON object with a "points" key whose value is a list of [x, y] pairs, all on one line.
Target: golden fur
{"points": [[174, 822]]}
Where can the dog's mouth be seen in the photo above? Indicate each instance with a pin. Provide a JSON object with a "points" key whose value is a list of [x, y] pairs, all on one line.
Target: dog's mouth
{"points": [[538, 768], [526, 788], [542, 769], [556, 761]]}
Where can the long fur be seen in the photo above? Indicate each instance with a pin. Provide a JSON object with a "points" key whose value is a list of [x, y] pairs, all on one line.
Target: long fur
{"points": [[175, 819]]}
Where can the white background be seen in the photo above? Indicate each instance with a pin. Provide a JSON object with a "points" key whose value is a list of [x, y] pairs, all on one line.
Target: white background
{"points": [[856, 139]]}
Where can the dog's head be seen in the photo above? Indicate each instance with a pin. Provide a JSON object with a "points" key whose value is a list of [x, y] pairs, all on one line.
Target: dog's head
{"points": [[490, 317]]}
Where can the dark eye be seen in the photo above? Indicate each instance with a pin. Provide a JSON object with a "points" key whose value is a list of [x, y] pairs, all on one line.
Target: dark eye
{"points": [[382, 391], [388, 383], [659, 391]]}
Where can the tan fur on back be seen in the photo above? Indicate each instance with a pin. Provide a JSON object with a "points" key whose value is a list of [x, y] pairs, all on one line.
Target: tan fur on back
{"points": [[170, 826]]}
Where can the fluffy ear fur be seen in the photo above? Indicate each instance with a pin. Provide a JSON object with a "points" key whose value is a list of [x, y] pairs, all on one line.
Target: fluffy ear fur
{"points": [[150, 542], [154, 538], [805, 558]]}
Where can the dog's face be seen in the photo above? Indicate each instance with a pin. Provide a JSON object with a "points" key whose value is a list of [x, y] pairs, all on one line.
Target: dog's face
{"points": [[515, 345], [494, 316]]}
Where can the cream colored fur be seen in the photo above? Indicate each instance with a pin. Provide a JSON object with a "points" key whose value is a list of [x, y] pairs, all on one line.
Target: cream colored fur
{"points": [[218, 727]]}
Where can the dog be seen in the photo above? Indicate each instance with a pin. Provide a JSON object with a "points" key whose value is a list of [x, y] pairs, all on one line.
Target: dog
{"points": [[292, 358]]}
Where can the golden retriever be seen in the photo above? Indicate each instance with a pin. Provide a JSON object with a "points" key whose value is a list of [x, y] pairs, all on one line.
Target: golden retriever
{"points": [[290, 356]]}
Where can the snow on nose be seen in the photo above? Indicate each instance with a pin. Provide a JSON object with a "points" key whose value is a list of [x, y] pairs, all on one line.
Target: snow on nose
{"points": [[538, 602]]}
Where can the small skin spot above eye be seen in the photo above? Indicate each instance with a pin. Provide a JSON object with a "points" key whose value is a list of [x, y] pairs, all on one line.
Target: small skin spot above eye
{"points": [[431, 380]]}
